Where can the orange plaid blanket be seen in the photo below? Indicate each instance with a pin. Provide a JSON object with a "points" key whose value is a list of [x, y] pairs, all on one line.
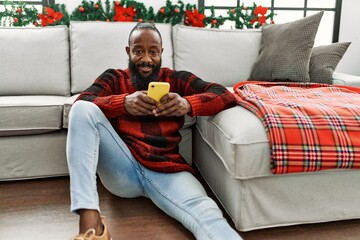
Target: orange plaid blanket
{"points": [[310, 126]]}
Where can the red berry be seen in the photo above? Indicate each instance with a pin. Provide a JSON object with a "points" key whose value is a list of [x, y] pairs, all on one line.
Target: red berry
{"points": [[96, 6], [16, 20], [81, 9], [176, 10], [214, 21], [140, 20], [162, 10], [19, 10]]}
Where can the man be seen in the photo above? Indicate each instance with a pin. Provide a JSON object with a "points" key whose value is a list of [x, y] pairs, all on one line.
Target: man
{"points": [[119, 132]]}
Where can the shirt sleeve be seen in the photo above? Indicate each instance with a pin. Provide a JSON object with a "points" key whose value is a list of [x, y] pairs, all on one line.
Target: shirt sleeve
{"points": [[104, 92], [204, 97]]}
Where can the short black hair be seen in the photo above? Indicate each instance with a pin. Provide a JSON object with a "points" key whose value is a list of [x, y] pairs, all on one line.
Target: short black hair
{"points": [[144, 25]]}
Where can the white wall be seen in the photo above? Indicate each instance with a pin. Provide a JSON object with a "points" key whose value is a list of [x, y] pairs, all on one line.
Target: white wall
{"points": [[350, 31]]}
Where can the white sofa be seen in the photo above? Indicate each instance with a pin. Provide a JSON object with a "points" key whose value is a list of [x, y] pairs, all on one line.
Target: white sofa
{"points": [[43, 70]]}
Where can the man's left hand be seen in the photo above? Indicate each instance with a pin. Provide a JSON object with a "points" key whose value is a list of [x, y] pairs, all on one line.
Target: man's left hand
{"points": [[172, 105]]}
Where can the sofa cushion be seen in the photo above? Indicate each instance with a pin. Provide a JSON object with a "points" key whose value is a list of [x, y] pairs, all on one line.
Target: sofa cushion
{"points": [[23, 115], [34, 61], [67, 106], [239, 139], [97, 46], [229, 59], [324, 60], [286, 49], [346, 79]]}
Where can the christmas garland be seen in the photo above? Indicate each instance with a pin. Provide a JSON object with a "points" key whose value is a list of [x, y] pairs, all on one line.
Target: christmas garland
{"points": [[129, 11]]}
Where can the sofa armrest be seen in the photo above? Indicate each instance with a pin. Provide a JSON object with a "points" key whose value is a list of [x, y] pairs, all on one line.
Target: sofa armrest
{"points": [[346, 79]]}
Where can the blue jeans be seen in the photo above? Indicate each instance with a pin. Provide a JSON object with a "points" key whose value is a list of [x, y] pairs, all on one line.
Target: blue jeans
{"points": [[93, 147]]}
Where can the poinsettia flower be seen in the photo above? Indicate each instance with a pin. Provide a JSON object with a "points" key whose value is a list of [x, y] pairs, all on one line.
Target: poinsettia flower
{"points": [[195, 18], [123, 14], [51, 17], [262, 19], [260, 10]]}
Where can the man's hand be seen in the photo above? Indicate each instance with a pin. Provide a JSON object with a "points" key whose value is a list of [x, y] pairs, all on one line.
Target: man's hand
{"points": [[139, 104], [172, 105]]}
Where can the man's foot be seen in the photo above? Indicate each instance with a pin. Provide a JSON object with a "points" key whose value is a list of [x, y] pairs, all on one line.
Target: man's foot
{"points": [[90, 234]]}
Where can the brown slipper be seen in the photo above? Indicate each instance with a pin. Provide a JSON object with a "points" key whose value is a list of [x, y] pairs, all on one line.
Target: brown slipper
{"points": [[90, 234]]}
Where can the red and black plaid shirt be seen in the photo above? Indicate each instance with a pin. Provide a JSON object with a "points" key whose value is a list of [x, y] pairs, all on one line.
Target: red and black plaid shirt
{"points": [[154, 140]]}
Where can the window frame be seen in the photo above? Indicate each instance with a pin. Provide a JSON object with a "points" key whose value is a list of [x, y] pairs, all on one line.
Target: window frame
{"points": [[44, 3], [336, 10]]}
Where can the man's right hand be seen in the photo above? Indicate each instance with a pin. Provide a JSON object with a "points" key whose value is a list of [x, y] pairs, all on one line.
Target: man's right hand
{"points": [[139, 104]]}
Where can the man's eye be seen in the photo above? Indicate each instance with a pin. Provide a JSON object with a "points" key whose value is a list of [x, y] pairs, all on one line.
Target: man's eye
{"points": [[138, 52], [154, 53]]}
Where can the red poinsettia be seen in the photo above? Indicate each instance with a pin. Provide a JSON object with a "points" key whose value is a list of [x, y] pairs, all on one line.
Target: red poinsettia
{"points": [[123, 14], [260, 10], [262, 19], [195, 18], [51, 17]]}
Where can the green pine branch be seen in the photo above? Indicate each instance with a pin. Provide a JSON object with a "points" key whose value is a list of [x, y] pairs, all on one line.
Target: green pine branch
{"points": [[23, 14]]}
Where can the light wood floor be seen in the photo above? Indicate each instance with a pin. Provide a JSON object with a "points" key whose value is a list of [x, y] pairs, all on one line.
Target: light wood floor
{"points": [[39, 210]]}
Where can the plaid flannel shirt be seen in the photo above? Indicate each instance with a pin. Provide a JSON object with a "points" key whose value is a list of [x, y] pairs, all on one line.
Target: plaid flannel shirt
{"points": [[154, 140]]}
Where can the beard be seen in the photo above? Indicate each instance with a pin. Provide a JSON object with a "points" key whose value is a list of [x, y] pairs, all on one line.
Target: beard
{"points": [[141, 82]]}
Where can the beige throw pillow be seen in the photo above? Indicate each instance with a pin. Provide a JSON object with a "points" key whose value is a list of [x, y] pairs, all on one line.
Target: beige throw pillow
{"points": [[286, 49], [324, 60]]}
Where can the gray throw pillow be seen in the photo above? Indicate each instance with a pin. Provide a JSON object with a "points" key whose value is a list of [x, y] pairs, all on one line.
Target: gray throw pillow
{"points": [[285, 50], [324, 60]]}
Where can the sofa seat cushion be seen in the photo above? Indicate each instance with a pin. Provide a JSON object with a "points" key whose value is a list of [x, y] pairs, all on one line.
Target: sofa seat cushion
{"points": [[23, 115], [67, 106], [239, 139]]}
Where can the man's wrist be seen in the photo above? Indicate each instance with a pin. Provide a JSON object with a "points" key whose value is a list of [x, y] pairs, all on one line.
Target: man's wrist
{"points": [[189, 107]]}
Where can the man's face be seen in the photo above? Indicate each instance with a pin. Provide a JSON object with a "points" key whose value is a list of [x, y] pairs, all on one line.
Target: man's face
{"points": [[144, 53]]}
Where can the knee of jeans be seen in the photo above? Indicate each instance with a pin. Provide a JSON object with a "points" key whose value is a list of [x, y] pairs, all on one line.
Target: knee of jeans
{"points": [[83, 110]]}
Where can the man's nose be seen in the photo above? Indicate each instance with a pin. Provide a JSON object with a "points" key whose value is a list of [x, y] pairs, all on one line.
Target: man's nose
{"points": [[146, 57]]}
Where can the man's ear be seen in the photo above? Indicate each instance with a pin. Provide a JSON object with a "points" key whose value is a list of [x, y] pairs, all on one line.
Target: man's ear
{"points": [[127, 50]]}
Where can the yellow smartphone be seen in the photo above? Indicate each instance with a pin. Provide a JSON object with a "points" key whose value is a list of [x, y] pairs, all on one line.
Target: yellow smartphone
{"points": [[156, 90]]}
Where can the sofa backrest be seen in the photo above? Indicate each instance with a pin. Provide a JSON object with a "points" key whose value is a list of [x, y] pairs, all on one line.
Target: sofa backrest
{"points": [[34, 61], [97, 46], [216, 55]]}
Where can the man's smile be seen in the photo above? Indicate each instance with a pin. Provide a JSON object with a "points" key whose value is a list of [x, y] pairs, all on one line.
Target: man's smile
{"points": [[145, 69]]}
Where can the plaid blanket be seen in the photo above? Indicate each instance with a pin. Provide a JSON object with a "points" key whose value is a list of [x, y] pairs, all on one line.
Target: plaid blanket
{"points": [[310, 126]]}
